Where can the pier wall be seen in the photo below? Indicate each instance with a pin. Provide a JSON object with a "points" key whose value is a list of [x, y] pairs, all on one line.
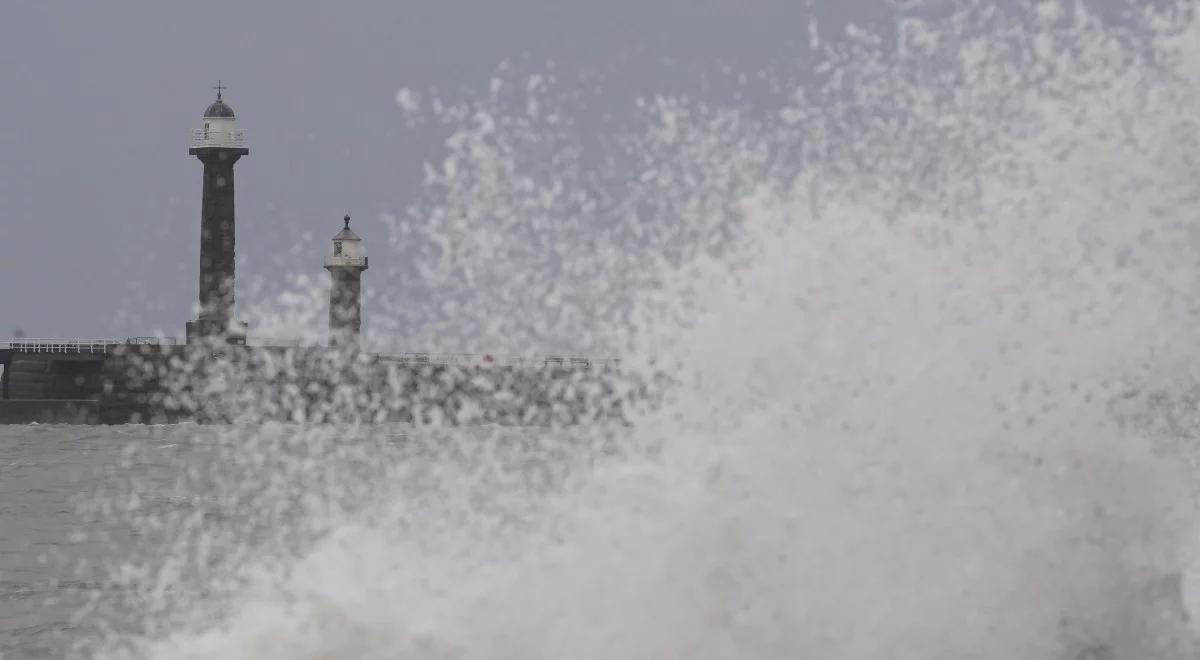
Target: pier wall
{"points": [[49, 411], [51, 376], [227, 383]]}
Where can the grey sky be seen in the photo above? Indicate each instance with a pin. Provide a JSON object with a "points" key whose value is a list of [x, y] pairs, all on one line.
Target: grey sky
{"points": [[99, 201]]}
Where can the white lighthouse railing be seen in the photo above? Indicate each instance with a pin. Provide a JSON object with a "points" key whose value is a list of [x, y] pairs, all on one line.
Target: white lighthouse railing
{"points": [[210, 138]]}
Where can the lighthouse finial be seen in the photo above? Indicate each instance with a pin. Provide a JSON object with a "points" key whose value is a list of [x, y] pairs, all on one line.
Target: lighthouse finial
{"points": [[219, 87], [347, 219]]}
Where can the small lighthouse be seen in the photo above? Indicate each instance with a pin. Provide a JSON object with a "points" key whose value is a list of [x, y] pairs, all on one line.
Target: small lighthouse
{"points": [[345, 264], [218, 144]]}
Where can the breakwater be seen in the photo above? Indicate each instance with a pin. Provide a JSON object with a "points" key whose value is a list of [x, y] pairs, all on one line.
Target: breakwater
{"points": [[222, 383]]}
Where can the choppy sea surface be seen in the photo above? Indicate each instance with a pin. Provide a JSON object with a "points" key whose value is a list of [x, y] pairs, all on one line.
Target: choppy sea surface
{"points": [[105, 531], [53, 552], [81, 504]]}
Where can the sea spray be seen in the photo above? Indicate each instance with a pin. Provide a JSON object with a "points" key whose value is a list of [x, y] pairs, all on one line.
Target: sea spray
{"points": [[895, 329]]}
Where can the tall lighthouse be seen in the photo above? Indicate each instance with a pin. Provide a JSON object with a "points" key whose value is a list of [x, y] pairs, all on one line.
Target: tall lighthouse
{"points": [[218, 144], [345, 264]]}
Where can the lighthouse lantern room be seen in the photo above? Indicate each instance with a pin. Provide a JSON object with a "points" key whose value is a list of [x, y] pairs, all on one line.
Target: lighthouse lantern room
{"points": [[347, 248], [220, 127]]}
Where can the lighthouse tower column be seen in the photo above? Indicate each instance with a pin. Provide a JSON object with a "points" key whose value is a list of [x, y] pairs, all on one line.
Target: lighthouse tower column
{"points": [[345, 264], [218, 144]]}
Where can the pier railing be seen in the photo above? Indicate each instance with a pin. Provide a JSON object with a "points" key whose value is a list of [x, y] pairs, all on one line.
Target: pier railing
{"points": [[78, 346], [485, 359], [83, 346]]}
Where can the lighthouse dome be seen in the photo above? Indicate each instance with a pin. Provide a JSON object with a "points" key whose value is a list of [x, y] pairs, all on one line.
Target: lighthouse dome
{"points": [[219, 110]]}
